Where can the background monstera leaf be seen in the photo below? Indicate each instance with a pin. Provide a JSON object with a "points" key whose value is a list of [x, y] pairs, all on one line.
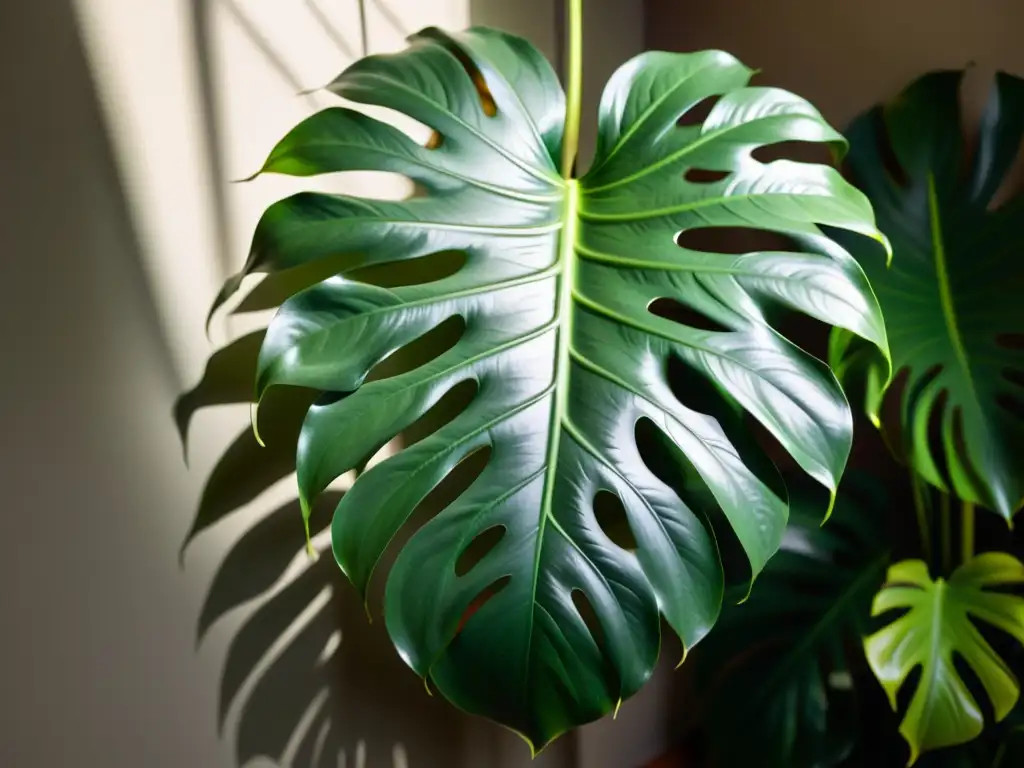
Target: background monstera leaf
{"points": [[938, 623], [952, 296], [512, 600], [777, 667]]}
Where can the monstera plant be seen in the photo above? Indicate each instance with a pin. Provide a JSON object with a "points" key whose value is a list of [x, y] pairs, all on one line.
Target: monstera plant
{"points": [[581, 320], [946, 639]]}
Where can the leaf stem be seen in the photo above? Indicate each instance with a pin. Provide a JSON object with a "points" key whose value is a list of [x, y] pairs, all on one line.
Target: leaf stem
{"points": [[946, 521], [574, 88], [967, 531], [922, 517]]}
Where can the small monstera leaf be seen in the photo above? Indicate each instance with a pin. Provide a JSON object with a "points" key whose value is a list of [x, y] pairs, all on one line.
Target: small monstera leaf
{"points": [[952, 297], [776, 667], [550, 624], [938, 624]]}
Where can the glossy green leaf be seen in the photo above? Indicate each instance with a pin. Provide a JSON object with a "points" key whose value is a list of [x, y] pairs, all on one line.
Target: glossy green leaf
{"points": [[938, 623], [952, 296], [555, 624], [776, 667]]}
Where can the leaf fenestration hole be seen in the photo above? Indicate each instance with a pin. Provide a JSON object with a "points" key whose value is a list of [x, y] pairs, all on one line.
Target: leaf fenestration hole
{"points": [[1012, 183], [434, 141], [935, 417], [1014, 376], [677, 312], [760, 450], [612, 519], [450, 488], [966, 673], [418, 271], [889, 412], [735, 240], [671, 466], [704, 175], [1012, 341], [804, 331], [1012, 405], [797, 151], [586, 611], [589, 616], [481, 600], [478, 549], [420, 351], [483, 91], [698, 113], [960, 446], [911, 392], [443, 412], [905, 694]]}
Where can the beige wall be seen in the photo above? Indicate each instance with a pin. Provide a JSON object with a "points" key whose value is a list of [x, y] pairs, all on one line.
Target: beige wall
{"points": [[116, 224], [844, 55]]}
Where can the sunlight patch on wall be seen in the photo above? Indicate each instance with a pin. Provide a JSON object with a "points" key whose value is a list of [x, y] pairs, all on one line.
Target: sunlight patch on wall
{"points": [[195, 95]]}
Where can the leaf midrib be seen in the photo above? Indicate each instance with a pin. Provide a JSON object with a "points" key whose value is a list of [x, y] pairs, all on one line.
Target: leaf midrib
{"points": [[934, 651], [566, 285], [945, 289]]}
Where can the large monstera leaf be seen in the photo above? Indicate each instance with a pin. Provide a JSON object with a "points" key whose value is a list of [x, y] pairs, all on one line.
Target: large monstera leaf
{"points": [[777, 668], [938, 623], [555, 624], [952, 297]]}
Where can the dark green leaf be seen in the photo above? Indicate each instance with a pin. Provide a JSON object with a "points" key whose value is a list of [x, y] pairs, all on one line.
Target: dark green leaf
{"points": [[775, 668], [938, 623], [952, 296]]}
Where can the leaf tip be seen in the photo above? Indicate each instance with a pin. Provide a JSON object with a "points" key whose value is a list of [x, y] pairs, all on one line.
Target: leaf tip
{"points": [[182, 420], [254, 421], [881, 238], [529, 743], [750, 590], [831, 507], [618, 705], [686, 652], [246, 179]]}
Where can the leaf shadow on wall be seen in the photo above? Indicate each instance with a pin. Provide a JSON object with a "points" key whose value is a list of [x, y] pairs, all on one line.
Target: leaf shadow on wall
{"points": [[307, 680]]}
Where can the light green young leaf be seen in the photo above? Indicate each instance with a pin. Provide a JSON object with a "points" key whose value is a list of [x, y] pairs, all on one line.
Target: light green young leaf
{"points": [[938, 623]]}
